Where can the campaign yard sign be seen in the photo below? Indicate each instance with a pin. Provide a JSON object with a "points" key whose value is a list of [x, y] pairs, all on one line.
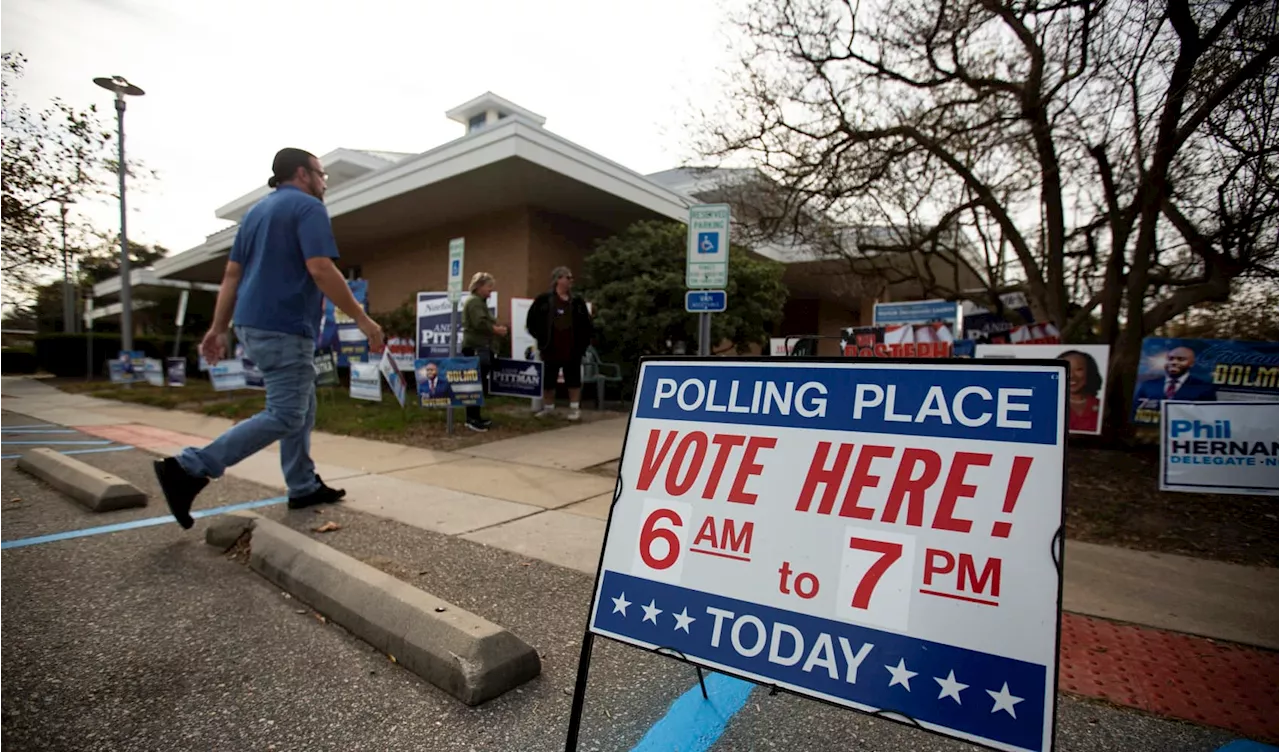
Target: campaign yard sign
{"points": [[175, 370], [434, 310], [153, 370], [339, 332], [875, 534], [227, 375], [390, 370], [449, 382], [1219, 447], [366, 382], [1203, 370], [515, 378]]}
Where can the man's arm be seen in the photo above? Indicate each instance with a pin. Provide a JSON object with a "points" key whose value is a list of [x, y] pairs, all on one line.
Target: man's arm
{"points": [[315, 236], [226, 304], [335, 288], [214, 345]]}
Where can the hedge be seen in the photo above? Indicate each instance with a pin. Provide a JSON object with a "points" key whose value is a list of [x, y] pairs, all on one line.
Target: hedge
{"points": [[65, 354], [18, 360]]}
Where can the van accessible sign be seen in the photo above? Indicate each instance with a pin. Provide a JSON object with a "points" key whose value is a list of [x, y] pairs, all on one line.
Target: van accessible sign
{"points": [[876, 534], [1219, 447]]}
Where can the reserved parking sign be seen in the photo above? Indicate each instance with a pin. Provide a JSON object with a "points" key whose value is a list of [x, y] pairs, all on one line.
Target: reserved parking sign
{"points": [[877, 534]]}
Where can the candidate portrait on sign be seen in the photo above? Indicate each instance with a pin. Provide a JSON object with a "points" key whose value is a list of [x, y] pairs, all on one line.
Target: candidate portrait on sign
{"points": [[1177, 381], [431, 384]]}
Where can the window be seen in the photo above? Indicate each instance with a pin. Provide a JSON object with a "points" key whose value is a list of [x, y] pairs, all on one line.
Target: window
{"points": [[476, 122]]}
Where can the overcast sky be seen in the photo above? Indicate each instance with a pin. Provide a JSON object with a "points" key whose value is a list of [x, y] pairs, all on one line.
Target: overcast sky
{"points": [[229, 83]]}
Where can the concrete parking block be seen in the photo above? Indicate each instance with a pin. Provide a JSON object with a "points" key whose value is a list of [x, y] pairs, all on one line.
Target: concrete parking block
{"points": [[467, 656], [597, 507], [224, 530], [422, 506], [525, 484], [573, 448], [96, 489], [569, 540]]}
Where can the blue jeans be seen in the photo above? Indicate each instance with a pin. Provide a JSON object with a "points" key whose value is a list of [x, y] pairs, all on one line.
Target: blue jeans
{"points": [[288, 368]]}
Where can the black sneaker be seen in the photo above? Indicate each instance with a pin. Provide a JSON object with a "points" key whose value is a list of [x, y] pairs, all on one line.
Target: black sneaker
{"points": [[180, 489], [322, 495], [478, 426], [337, 493]]}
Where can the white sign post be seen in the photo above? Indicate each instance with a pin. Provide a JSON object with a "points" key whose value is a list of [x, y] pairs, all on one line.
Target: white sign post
{"points": [[1219, 447], [457, 246], [707, 259], [879, 535]]}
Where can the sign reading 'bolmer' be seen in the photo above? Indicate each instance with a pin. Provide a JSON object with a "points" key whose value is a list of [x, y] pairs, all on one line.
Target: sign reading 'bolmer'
{"points": [[879, 535]]}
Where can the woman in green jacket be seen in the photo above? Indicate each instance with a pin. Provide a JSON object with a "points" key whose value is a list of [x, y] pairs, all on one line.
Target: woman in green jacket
{"points": [[479, 327]]}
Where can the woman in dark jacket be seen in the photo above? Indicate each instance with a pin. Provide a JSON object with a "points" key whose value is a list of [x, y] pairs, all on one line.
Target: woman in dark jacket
{"points": [[561, 324]]}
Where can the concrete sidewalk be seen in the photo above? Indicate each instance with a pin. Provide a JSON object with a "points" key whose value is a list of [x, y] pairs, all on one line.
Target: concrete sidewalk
{"points": [[529, 495]]}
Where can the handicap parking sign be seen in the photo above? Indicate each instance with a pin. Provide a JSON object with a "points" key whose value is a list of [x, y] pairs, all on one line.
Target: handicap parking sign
{"points": [[456, 269], [708, 242]]}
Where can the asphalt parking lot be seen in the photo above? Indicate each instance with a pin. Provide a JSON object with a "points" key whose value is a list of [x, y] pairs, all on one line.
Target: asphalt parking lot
{"points": [[146, 639]]}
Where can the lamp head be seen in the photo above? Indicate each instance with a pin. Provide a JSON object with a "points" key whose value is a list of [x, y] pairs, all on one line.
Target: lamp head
{"points": [[120, 85]]}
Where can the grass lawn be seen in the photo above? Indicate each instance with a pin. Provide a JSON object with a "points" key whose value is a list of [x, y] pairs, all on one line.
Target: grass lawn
{"points": [[337, 413]]}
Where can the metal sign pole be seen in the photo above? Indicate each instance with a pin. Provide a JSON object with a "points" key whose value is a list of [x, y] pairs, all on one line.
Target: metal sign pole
{"points": [[180, 320], [453, 352], [704, 334], [88, 337]]}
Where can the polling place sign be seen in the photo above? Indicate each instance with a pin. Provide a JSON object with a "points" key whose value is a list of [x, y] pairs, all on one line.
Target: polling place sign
{"points": [[875, 534], [1219, 447]]}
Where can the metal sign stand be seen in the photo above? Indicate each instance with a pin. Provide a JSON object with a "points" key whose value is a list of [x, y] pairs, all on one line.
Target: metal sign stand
{"points": [[453, 351]]}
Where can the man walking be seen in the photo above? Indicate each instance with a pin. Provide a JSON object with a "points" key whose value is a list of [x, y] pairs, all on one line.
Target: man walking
{"points": [[561, 323], [281, 262]]}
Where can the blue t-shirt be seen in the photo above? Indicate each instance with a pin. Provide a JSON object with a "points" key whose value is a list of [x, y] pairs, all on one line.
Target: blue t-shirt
{"points": [[274, 241]]}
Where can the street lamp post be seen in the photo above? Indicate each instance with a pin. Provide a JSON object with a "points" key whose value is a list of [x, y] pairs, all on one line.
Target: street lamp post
{"points": [[123, 88], [68, 301]]}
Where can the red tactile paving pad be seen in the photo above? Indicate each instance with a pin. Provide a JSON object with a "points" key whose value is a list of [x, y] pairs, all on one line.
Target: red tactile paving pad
{"points": [[144, 437], [1170, 674]]}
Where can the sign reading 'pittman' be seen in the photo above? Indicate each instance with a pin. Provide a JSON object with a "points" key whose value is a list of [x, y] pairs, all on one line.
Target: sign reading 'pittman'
{"points": [[876, 534]]}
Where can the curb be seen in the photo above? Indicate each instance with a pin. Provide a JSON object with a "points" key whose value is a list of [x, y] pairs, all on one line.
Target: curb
{"points": [[467, 656], [97, 490]]}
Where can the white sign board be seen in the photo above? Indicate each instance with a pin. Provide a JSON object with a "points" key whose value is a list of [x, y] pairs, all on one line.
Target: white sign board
{"points": [[366, 382], [1086, 378], [917, 312], [456, 248], [523, 345], [707, 262], [878, 535], [227, 375], [1219, 447], [391, 372], [780, 347]]}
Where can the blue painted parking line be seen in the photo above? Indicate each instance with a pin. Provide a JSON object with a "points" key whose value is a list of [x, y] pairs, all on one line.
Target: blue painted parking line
{"points": [[694, 724], [60, 442], [120, 448], [148, 522], [31, 430]]}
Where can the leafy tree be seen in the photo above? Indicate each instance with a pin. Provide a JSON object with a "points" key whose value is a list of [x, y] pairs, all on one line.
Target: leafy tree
{"points": [[101, 262], [636, 282], [55, 156], [1115, 160], [1249, 315]]}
